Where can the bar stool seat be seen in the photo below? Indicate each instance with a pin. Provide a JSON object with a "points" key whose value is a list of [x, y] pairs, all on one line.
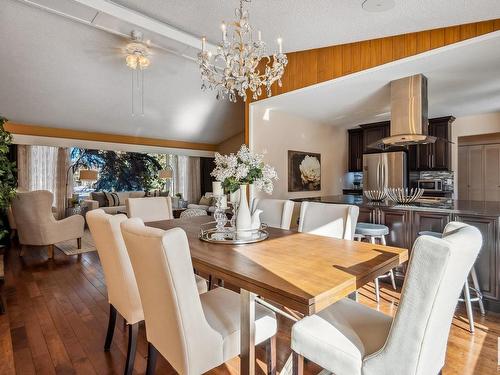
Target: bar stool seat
{"points": [[374, 232], [369, 229], [467, 288]]}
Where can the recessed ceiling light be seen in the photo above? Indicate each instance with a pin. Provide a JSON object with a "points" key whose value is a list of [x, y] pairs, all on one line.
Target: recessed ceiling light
{"points": [[378, 5]]}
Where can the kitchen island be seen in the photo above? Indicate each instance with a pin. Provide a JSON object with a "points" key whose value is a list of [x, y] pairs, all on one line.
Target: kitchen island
{"points": [[406, 221]]}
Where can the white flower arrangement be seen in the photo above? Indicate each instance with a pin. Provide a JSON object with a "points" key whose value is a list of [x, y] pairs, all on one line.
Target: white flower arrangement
{"points": [[245, 167]]}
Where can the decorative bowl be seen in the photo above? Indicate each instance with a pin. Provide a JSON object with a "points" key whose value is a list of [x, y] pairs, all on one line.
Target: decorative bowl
{"points": [[375, 195], [404, 196]]}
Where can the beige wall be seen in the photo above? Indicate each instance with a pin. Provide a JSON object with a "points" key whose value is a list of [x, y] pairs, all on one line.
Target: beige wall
{"points": [[283, 132], [231, 145], [471, 125]]}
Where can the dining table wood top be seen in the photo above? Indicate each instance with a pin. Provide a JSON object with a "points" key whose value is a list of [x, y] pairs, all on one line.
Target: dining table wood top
{"points": [[301, 271]]}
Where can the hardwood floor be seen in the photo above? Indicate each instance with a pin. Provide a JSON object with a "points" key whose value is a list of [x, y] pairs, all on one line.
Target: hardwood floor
{"points": [[57, 311]]}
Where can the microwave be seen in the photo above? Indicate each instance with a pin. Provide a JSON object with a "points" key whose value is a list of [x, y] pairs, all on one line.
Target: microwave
{"points": [[430, 185]]}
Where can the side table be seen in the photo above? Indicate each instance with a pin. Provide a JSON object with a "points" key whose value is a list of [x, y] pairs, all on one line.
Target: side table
{"points": [[76, 210], [177, 212]]}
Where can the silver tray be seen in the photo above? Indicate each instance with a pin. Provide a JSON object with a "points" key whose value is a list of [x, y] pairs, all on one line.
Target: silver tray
{"points": [[209, 233]]}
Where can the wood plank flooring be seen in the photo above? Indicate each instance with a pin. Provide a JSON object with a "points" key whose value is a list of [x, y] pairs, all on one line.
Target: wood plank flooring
{"points": [[57, 317]]}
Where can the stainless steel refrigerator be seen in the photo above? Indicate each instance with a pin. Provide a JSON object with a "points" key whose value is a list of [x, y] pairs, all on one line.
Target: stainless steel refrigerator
{"points": [[387, 169]]}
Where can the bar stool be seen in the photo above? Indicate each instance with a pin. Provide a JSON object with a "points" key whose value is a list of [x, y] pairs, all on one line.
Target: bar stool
{"points": [[374, 232], [467, 288]]}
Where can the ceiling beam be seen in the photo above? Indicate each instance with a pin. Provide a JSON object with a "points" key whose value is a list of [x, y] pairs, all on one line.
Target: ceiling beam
{"points": [[44, 131], [145, 22]]}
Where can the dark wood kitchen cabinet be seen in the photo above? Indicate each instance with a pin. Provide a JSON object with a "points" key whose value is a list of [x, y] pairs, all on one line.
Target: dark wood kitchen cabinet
{"points": [[487, 263], [372, 133], [399, 224], [355, 150], [429, 221], [435, 156]]}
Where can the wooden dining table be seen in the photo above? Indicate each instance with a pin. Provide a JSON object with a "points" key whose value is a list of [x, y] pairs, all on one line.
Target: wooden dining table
{"points": [[300, 271]]}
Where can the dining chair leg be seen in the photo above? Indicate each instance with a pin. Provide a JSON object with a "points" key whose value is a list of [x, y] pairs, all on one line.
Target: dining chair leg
{"points": [[297, 364], [468, 306], [79, 242], [51, 251], [377, 290], [111, 328], [152, 356], [133, 330], [271, 356], [475, 283], [393, 280], [210, 282]]}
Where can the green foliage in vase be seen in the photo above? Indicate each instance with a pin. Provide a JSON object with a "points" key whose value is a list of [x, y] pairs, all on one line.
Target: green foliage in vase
{"points": [[7, 176], [120, 171]]}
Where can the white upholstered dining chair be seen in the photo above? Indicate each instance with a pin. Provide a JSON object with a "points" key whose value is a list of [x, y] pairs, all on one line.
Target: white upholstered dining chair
{"points": [[123, 295], [36, 225], [276, 213], [194, 333], [330, 220], [150, 208], [348, 338]]}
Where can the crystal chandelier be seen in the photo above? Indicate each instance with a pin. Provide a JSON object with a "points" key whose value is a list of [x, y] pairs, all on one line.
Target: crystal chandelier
{"points": [[240, 63], [137, 59]]}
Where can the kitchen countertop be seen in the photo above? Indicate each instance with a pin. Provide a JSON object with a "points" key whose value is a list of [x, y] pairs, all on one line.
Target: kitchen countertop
{"points": [[438, 205]]}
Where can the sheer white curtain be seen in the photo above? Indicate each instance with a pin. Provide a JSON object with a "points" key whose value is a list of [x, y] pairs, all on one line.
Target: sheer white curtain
{"points": [[44, 168], [186, 177]]}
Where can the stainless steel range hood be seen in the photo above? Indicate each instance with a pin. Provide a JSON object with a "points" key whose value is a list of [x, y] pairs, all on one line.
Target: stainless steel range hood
{"points": [[409, 121]]}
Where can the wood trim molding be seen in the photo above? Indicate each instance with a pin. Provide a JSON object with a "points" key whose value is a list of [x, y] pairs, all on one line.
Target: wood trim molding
{"points": [[310, 67], [44, 131], [480, 139]]}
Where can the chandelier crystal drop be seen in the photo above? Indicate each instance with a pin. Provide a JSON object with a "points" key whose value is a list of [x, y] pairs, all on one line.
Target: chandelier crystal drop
{"points": [[240, 63]]}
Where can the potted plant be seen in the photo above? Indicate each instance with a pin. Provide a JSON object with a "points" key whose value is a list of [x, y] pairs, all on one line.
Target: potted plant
{"points": [[7, 178]]}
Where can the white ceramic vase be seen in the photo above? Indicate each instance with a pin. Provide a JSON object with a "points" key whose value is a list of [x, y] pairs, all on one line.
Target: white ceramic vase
{"points": [[243, 216]]}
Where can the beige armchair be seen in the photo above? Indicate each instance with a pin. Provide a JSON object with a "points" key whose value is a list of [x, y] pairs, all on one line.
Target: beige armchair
{"points": [[36, 224]]}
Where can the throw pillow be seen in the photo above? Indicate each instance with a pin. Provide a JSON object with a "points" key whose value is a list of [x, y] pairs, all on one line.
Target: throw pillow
{"points": [[100, 197], [205, 201], [113, 199]]}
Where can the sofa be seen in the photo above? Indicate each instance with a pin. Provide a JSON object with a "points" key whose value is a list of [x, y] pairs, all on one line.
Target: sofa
{"points": [[206, 203], [96, 200]]}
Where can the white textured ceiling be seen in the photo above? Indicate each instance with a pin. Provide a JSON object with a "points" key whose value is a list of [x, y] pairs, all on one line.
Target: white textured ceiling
{"points": [[306, 24], [60, 73], [463, 79]]}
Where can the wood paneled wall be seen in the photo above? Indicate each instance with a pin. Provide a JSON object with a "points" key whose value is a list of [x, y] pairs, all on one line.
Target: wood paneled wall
{"points": [[306, 68]]}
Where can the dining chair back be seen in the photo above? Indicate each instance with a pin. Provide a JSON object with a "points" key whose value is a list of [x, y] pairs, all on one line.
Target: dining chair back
{"points": [[418, 336], [331, 220], [175, 322], [276, 213], [123, 294], [150, 208]]}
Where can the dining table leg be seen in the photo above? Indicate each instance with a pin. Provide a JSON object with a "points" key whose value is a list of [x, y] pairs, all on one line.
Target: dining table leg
{"points": [[247, 332]]}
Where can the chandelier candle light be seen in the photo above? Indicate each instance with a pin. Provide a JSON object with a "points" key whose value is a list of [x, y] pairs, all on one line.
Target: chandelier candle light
{"points": [[238, 65]]}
